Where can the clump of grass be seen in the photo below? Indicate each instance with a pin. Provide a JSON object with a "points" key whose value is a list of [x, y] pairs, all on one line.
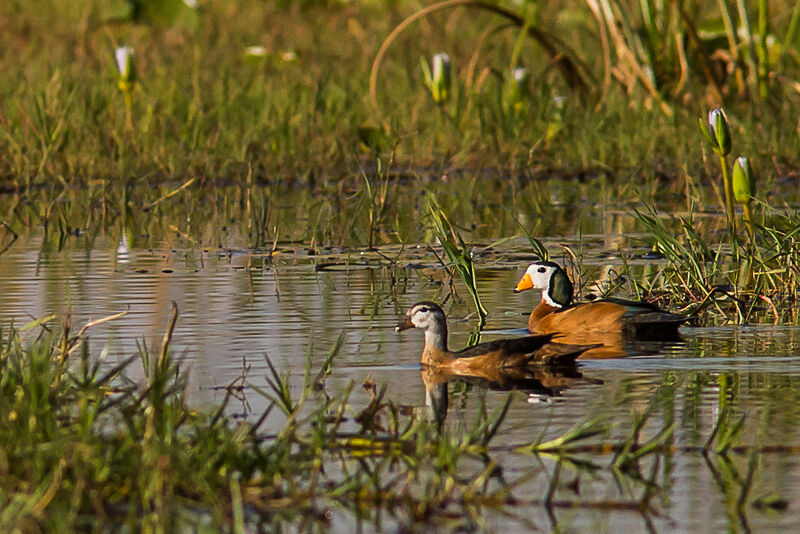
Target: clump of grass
{"points": [[763, 271], [459, 255], [693, 267], [203, 108], [85, 445], [376, 197]]}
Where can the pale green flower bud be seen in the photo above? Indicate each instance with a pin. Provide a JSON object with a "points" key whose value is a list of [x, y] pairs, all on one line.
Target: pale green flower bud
{"points": [[717, 132], [517, 90], [744, 183], [438, 81], [441, 77], [125, 67]]}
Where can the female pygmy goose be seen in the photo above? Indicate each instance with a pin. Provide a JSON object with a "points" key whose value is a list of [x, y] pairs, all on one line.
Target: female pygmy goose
{"points": [[498, 354]]}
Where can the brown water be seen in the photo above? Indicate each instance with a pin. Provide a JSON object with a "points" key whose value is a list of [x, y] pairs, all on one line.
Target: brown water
{"points": [[236, 308]]}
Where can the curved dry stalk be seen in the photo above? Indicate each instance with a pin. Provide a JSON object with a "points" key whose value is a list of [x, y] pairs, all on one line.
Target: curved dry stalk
{"points": [[570, 68], [149, 206], [607, 17], [71, 344], [167, 339], [479, 43]]}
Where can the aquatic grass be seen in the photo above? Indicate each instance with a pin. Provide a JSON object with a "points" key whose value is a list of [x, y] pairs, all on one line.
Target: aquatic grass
{"points": [[459, 255], [553, 46], [692, 262], [114, 452], [181, 130], [536, 245], [377, 198], [85, 445], [660, 68], [4, 242], [763, 272], [202, 109], [565, 442]]}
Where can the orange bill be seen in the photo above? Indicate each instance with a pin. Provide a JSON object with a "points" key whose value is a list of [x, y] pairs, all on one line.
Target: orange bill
{"points": [[524, 283]]}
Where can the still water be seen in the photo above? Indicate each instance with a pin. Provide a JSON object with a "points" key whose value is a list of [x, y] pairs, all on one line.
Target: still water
{"points": [[236, 308]]}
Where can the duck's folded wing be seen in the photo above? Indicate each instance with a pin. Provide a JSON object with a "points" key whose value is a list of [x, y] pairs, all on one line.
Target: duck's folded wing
{"points": [[560, 353], [660, 324], [520, 345]]}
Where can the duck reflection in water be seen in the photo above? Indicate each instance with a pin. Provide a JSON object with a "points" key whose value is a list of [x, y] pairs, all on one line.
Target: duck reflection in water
{"points": [[539, 382]]}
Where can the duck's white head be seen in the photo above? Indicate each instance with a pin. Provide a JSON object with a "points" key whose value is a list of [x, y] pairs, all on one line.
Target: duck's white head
{"points": [[427, 316], [551, 279], [423, 315]]}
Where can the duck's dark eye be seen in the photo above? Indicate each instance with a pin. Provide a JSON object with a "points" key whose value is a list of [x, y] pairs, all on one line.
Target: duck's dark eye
{"points": [[542, 269], [423, 309]]}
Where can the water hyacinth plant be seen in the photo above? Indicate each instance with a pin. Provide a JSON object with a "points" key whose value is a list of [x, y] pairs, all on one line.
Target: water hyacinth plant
{"points": [[438, 80], [718, 135], [126, 77]]}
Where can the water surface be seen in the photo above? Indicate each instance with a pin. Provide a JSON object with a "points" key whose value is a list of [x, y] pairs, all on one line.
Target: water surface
{"points": [[237, 307]]}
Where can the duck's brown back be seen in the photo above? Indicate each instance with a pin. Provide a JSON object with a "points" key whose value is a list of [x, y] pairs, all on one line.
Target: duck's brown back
{"points": [[587, 317]]}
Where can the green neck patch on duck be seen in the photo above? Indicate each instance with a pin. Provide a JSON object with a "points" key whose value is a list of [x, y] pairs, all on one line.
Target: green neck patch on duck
{"points": [[560, 290]]}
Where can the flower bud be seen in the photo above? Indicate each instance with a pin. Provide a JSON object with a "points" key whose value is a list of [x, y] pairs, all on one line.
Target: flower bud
{"points": [[744, 183], [125, 67], [438, 81], [516, 90], [522, 77], [441, 77], [717, 132], [256, 52]]}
